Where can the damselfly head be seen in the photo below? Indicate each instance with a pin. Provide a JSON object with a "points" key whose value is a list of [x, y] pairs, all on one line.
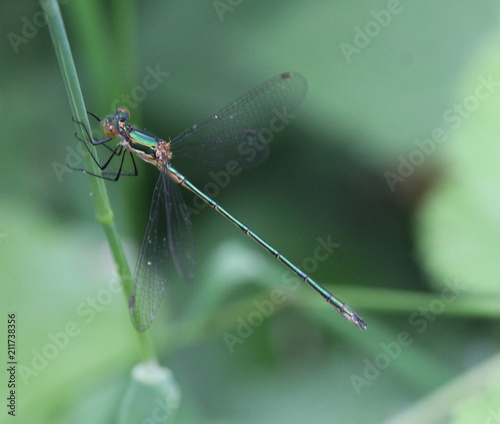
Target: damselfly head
{"points": [[122, 114], [112, 124]]}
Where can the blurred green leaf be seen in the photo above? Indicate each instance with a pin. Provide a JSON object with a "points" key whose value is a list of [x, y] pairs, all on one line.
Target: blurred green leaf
{"points": [[459, 223]]}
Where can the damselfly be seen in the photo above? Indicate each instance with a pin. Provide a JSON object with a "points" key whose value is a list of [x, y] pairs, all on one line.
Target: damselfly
{"points": [[236, 136]]}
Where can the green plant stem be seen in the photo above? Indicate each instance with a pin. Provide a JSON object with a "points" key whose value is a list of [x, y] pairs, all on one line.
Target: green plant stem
{"points": [[436, 408], [104, 213], [123, 15], [385, 300], [199, 326], [92, 50], [100, 28]]}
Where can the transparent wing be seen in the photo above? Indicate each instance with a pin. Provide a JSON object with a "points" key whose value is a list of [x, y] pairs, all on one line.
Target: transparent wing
{"points": [[242, 131], [180, 229], [168, 243]]}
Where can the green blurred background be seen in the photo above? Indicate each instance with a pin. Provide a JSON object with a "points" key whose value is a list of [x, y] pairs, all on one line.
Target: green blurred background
{"points": [[384, 78]]}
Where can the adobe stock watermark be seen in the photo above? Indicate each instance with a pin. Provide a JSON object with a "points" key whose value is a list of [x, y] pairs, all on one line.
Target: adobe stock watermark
{"points": [[249, 151], [57, 342], [245, 326], [419, 322], [150, 81], [453, 119], [29, 28], [494, 416], [74, 155], [223, 6], [363, 36], [162, 411]]}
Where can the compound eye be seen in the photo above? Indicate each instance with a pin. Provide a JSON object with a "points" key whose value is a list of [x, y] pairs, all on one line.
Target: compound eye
{"points": [[123, 114], [110, 130]]}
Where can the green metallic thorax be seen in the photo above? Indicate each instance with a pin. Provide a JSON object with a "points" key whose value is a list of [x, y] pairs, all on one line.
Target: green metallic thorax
{"points": [[141, 143]]}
